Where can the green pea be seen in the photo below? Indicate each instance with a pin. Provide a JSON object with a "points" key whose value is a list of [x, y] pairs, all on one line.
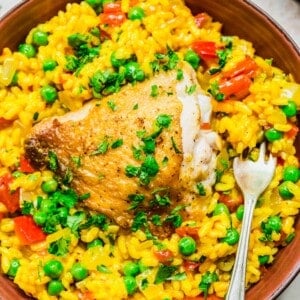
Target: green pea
{"points": [[131, 269], [55, 287], [53, 268], [273, 223], [130, 284], [284, 191], [290, 110], [263, 259], [291, 173], [192, 58], [187, 245], [79, 272], [95, 243], [136, 13], [40, 38], [40, 217], [116, 62], [133, 72], [13, 267], [240, 212], [272, 134], [27, 49], [49, 186], [232, 237], [221, 208], [49, 94], [49, 65]]}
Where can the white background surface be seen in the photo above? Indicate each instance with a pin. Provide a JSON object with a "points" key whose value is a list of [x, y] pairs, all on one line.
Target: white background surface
{"points": [[287, 14]]}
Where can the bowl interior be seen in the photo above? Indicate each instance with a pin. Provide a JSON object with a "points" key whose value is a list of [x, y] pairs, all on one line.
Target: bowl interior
{"points": [[239, 18]]}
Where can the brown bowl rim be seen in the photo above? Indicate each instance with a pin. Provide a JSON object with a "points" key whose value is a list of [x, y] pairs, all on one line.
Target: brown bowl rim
{"points": [[288, 40]]}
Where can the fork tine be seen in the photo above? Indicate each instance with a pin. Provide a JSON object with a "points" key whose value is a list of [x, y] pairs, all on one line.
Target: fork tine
{"points": [[262, 151]]}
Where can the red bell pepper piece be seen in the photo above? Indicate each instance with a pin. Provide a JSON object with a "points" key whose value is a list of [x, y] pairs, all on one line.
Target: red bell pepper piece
{"points": [[207, 50], [247, 67], [25, 165], [112, 14], [27, 231], [237, 86], [112, 7], [164, 256], [201, 19], [188, 231], [231, 203], [205, 126], [114, 19], [11, 199], [292, 133], [190, 266], [5, 123]]}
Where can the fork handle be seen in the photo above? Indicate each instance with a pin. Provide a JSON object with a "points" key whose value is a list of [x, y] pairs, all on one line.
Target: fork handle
{"points": [[236, 289]]}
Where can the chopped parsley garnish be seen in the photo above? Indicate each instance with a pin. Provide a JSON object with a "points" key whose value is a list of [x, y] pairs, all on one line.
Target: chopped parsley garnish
{"points": [[103, 269], [76, 161], [201, 189], [35, 116], [59, 247], [135, 200], [179, 75], [117, 143], [27, 208], [112, 105], [74, 221], [150, 165], [175, 147], [154, 90], [102, 148], [72, 63], [148, 169], [68, 176], [149, 145], [165, 161], [135, 106], [166, 61], [290, 237], [98, 220], [178, 277], [156, 220], [207, 279], [174, 217], [132, 171], [83, 52], [140, 133], [160, 200], [106, 82], [164, 273], [139, 221], [137, 153], [163, 120], [52, 160], [215, 91], [190, 89]]}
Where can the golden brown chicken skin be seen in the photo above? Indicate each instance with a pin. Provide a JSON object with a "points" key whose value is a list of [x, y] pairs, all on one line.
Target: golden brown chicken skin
{"points": [[126, 150]]}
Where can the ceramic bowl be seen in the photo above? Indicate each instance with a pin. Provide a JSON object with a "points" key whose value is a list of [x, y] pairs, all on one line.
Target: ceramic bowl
{"points": [[238, 17]]}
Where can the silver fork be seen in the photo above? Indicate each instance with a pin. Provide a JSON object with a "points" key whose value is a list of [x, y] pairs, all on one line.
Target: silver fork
{"points": [[252, 178]]}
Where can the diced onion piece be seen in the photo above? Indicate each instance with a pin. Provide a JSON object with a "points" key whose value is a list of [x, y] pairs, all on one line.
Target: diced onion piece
{"points": [[7, 71]]}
